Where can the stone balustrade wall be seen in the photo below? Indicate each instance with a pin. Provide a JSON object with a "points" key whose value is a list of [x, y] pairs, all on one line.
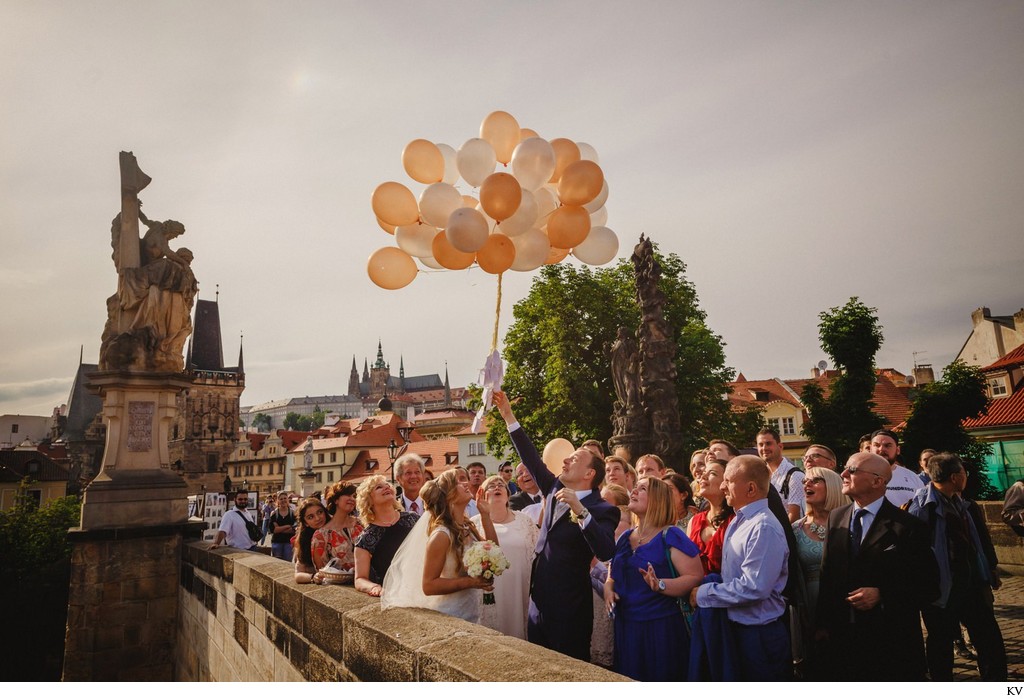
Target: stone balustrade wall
{"points": [[241, 617]]}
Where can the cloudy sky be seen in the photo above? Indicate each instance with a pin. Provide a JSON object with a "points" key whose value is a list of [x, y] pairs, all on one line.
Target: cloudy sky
{"points": [[794, 154]]}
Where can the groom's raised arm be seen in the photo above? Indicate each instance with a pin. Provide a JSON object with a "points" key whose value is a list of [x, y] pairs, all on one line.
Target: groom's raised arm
{"points": [[528, 454]]}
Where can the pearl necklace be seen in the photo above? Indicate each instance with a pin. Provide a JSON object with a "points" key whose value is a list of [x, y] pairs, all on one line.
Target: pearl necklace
{"points": [[819, 530]]}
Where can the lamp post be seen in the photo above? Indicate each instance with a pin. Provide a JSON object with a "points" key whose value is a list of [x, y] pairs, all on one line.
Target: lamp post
{"points": [[392, 453]]}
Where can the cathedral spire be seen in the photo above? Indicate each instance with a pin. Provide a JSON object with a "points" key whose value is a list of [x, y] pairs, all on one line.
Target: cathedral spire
{"points": [[353, 379], [366, 370], [241, 365], [447, 388], [401, 372], [379, 364]]}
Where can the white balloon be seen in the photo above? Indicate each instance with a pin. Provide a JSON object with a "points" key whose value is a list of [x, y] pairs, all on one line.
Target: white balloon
{"points": [[430, 262], [451, 168], [587, 152], [416, 239], [467, 230], [523, 219], [599, 247], [599, 217], [437, 203], [533, 163], [598, 201], [476, 160], [532, 250]]}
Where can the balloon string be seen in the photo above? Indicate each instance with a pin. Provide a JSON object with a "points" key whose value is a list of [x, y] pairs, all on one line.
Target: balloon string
{"points": [[497, 316]]}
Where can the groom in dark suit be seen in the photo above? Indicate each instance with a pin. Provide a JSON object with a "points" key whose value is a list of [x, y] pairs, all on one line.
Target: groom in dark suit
{"points": [[877, 574], [578, 525]]}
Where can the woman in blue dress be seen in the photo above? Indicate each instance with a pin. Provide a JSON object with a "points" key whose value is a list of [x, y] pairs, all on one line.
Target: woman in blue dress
{"points": [[652, 642]]}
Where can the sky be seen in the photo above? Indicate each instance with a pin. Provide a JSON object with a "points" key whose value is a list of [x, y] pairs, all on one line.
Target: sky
{"points": [[793, 154]]}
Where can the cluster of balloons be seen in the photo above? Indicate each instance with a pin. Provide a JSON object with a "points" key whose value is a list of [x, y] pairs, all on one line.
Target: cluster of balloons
{"points": [[548, 202]]}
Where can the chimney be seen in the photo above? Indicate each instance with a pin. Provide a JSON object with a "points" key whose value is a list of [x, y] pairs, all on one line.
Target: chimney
{"points": [[980, 314], [923, 374], [815, 372]]}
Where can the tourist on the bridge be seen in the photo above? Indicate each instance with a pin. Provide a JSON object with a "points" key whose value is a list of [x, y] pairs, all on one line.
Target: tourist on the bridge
{"points": [[336, 539], [707, 528], [904, 483], [697, 461], [682, 499], [268, 508], [428, 571], [409, 475], [528, 494], [616, 471], [967, 574], [282, 528], [312, 517], [517, 534], [654, 566], [237, 529], [387, 526], [1013, 507], [650, 465], [823, 493]]}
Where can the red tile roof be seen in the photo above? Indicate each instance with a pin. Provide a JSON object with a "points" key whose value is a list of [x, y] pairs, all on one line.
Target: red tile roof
{"points": [[1001, 412], [434, 452], [291, 438], [1011, 359]]}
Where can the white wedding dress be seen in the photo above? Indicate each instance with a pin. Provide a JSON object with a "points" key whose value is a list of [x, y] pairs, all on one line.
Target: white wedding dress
{"points": [[403, 584], [517, 539]]}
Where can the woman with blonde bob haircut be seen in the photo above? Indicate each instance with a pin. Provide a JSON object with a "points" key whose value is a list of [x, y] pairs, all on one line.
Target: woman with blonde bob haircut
{"points": [[428, 571], [654, 565], [823, 493], [386, 528]]}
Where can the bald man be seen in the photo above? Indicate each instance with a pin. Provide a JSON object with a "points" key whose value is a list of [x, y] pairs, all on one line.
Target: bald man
{"points": [[878, 573], [754, 574]]}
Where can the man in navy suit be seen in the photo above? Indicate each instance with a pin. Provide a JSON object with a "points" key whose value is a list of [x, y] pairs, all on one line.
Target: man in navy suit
{"points": [[578, 525]]}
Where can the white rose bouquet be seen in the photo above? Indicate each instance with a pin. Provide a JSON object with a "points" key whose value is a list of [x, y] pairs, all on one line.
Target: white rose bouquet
{"points": [[485, 559]]}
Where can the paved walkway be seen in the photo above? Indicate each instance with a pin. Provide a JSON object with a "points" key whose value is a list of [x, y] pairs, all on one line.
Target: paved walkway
{"points": [[1010, 613]]}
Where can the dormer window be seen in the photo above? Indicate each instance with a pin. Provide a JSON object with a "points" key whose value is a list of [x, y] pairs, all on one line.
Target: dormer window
{"points": [[997, 386], [761, 395], [371, 464]]}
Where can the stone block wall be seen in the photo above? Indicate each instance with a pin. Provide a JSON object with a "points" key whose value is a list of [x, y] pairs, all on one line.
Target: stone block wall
{"points": [[1008, 544], [123, 604], [243, 618]]}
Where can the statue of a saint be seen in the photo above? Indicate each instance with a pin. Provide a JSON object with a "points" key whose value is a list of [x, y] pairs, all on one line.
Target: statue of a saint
{"points": [[307, 455], [625, 371], [149, 318]]}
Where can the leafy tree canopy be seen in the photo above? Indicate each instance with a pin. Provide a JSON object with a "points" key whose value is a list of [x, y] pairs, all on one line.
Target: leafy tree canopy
{"points": [[851, 335], [557, 361], [936, 421], [261, 423]]}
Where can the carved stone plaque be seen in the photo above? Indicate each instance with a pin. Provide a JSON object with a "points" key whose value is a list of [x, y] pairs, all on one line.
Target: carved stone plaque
{"points": [[140, 425]]}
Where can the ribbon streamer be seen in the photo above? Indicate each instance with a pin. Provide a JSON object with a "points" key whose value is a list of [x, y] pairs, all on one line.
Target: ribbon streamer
{"points": [[493, 371]]}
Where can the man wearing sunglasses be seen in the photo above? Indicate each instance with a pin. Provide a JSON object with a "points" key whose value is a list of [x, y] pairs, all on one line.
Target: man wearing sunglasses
{"points": [[877, 574]]}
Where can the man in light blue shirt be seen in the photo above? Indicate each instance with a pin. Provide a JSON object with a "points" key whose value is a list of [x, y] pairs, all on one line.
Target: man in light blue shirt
{"points": [[754, 573]]}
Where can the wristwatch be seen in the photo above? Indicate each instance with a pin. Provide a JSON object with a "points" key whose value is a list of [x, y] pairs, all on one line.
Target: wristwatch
{"points": [[661, 585], [578, 518]]}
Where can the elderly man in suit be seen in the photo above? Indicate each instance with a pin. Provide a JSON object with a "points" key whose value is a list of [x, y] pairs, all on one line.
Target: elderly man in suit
{"points": [[577, 526], [877, 574]]}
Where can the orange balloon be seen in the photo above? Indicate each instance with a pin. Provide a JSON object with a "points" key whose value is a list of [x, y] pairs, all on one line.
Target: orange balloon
{"points": [[525, 133], [386, 226], [448, 255], [497, 254], [580, 183], [470, 201], [423, 161], [501, 130], [556, 256], [391, 268], [566, 152], [394, 204], [568, 226], [500, 195]]}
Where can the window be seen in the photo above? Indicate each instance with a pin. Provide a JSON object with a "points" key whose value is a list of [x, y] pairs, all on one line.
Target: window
{"points": [[788, 426], [330, 476], [14, 427], [248, 470], [997, 386], [334, 457], [761, 396], [212, 462], [472, 449], [773, 423], [320, 458], [319, 477], [238, 472], [280, 468], [259, 470], [273, 450], [451, 458], [241, 452], [371, 464]]}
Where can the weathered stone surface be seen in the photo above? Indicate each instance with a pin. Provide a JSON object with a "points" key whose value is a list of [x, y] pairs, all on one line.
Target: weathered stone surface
{"points": [[242, 631], [323, 608], [288, 602], [261, 589]]}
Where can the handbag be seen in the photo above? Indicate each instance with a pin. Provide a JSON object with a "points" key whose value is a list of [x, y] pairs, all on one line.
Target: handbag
{"points": [[332, 573], [684, 604], [250, 527]]}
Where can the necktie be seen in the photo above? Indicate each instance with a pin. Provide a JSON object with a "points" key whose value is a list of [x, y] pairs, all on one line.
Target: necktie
{"points": [[857, 531], [414, 507]]}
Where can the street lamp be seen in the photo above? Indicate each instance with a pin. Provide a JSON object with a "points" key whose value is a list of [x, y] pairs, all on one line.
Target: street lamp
{"points": [[392, 453], [405, 430]]}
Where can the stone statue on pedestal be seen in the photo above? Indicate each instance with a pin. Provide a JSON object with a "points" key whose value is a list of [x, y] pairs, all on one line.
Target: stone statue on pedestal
{"points": [[149, 317]]}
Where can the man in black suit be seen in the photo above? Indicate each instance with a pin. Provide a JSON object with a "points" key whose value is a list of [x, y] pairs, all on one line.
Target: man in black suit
{"points": [[577, 526], [528, 494], [877, 574]]}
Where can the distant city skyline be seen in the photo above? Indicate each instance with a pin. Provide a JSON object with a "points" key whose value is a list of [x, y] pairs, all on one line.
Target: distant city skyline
{"points": [[793, 154]]}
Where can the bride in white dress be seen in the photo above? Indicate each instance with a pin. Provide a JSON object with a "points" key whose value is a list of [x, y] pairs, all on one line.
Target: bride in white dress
{"points": [[427, 571]]}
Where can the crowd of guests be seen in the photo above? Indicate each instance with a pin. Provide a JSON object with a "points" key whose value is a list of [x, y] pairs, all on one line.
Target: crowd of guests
{"points": [[731, 567]]}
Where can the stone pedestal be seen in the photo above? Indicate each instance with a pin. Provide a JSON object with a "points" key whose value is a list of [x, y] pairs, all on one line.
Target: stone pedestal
{"points": [[308, 483], [135, 486]]}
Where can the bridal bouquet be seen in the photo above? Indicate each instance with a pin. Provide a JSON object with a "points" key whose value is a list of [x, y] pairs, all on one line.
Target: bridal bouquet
{"points": [[485, 559]]}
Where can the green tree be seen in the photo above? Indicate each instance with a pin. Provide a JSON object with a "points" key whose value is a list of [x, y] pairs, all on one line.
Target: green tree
{"points": [[296, 421], [556, 356], [851, 336], [936, 420], [35, 558], [261, 423]]}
